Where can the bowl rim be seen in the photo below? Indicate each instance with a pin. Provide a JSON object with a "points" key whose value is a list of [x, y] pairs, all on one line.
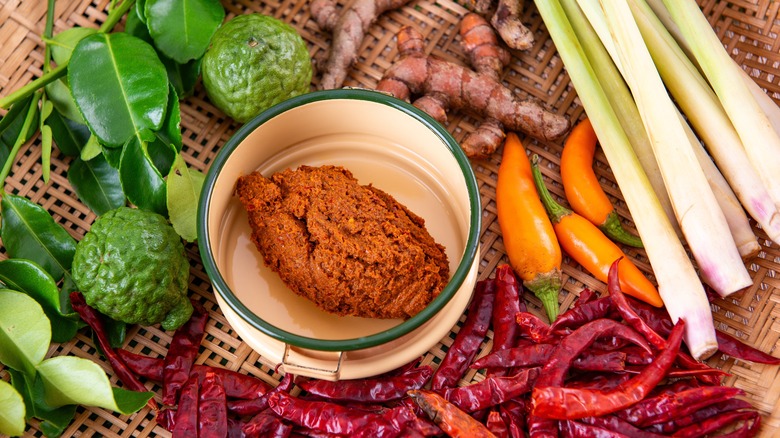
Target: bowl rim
{"points": [[469, 254]]}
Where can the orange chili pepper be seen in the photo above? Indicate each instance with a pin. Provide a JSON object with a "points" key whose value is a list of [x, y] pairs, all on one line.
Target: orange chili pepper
{"points": [[582, 188], [529, 238], [453, 421], [591, 248]]}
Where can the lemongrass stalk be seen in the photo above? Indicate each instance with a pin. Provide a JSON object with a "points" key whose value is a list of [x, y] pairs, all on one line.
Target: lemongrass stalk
{"points": [[698, 213], [736, 218], [766, 103], [705, 112], [678, 283], [619, 97], [761, 141]]}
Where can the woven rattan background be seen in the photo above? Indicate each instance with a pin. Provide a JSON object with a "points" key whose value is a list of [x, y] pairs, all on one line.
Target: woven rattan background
{"points": [[748, 27]]}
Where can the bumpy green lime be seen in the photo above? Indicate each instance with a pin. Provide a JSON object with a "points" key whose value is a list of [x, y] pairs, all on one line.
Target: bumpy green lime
{"points": [[131, 266], [255, 61]]}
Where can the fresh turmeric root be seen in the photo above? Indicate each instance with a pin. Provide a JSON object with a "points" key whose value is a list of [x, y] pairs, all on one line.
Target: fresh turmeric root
{"points": [[348, 27], [444, 85], [505, 18]]}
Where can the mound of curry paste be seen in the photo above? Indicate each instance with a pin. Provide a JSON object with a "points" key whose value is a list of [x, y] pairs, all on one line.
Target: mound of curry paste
{"points": [[351, 249]]}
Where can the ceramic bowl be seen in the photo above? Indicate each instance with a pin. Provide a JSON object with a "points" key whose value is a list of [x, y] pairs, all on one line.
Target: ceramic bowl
{"points": [[383, 141]]}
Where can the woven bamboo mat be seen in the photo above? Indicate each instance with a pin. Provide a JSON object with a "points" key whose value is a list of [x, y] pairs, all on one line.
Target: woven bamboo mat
{"points": [[748, 27]]}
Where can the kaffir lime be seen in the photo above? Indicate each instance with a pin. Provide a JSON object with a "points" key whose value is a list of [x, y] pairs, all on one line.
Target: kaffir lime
{"points": [[255, 61], [132, 267]]}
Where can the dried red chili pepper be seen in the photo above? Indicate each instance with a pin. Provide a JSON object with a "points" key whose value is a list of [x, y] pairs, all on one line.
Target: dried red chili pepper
{"points": [[338, 419], [667, 406], [266, 425], [166, 418], [212, 407], [237, 385], [533, 327], [453, 421], [469, 337], [182, 352], [737, 349], [256, 405], [583, 313], [613, 423], [633, 319], [148, 367], [568, 349], [379, 389], [531, 355], [573, 403], [92, 318], [186, 419], [514, 412], [576, 429], [702, 414], [508, 303], [492, 390], [586, 295], [496, 425], [717, 423], [598, 381]]}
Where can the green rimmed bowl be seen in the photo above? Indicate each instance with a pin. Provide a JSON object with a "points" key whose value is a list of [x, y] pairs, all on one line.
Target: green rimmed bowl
{"points": [[383, 141]]}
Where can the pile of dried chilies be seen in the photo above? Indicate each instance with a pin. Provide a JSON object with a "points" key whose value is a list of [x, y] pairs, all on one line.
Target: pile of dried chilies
{"points": [[609, 366]]}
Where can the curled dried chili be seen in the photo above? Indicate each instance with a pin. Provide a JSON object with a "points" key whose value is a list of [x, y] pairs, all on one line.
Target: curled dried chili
{"points": [[182, 352], [92, 318], [492, 390], [453, 421], [572, 403]]}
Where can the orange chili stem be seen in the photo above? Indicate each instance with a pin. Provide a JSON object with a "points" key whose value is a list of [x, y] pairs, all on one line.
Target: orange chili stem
{"points": [[591, 248], [581, 186], [528, 235]]}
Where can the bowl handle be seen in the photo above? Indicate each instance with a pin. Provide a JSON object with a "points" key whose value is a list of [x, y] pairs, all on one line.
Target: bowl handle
{"points": [[325, 365]]}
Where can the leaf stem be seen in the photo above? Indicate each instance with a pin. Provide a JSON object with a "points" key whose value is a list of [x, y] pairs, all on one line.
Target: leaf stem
{"points": [[20, 140], [113, 18]]}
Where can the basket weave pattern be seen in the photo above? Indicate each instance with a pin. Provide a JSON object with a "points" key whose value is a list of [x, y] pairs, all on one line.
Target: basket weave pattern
{"points": [[749, 29]]}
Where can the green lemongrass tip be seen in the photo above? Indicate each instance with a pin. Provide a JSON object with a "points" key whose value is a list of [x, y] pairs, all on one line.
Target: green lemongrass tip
{"points": [[615, 231], [546, 287], [555, 210]]}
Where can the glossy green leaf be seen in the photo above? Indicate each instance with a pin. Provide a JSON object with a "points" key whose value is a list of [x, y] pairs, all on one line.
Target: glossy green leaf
{"points": [[141, 182], [183, 77], [53, 421], [140, 6], [184, 186], [59, 94], [92, 149], [182, 29], [12, 410], [66, 377], [170, 132], [112, 155], [25, 332], [119, 84], [26, 276], [11, 127], [69, 136], [29, 232], [63, 43], [96, 184]]}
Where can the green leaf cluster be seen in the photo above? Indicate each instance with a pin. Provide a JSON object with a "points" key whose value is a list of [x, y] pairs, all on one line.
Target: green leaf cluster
{"points": [[112, 103], [48, 389]]}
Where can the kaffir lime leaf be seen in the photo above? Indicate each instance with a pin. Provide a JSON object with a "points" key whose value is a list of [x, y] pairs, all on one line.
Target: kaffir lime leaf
{"points": [[255, 61]]}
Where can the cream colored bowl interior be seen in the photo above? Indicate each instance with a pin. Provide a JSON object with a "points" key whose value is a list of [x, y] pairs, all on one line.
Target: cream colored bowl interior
{"points": [[380, 145]]}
